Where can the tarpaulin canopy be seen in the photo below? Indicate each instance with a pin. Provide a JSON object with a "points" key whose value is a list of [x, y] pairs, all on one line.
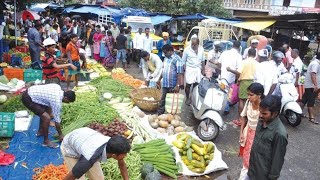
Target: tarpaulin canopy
{"points": [[91, 10], [230, 21], [32, 15], [68, 9], [160, 19], [255, 25], [197, 16]]}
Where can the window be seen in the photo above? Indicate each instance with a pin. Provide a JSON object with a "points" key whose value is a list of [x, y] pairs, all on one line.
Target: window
{"points": [[250, 1]]}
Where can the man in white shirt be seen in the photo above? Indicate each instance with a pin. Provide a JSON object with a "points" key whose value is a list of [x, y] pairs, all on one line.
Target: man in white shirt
{"points": [[267, 72], [115, 31], [138, 45], [254, 45], [151, 68], [193, 59], [230, 62], [297, 65], [147, 41]]}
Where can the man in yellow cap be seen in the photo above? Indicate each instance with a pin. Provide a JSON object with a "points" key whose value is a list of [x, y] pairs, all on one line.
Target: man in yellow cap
{"points": [[163, 42]]}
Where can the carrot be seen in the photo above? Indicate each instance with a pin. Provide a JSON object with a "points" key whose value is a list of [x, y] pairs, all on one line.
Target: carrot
{"points": [[50, 172]]}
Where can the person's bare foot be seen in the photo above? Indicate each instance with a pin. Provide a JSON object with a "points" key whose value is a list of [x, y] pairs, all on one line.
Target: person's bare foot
{"points": [[52, 124], [50, 144]]}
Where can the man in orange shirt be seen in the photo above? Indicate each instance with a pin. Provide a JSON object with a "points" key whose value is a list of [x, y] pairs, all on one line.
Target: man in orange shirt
{"points": [[74, 56]]}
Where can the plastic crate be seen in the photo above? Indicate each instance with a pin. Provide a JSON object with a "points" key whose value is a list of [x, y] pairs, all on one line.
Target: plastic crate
{"points": [[6, 124], [32, 75], [13, 73], [23, 49]]}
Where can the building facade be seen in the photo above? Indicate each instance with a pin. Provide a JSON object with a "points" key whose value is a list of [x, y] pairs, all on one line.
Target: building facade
{"points": [[245, 8]]}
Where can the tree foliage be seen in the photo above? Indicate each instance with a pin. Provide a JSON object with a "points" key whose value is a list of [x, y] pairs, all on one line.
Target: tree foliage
{"points": [[180, 7]]}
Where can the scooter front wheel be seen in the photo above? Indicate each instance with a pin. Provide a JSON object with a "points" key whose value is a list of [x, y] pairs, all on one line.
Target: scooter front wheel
{"points": [[211, 133], [294, 119]]}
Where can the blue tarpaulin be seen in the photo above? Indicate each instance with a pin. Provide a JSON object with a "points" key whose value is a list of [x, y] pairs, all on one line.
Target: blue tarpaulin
{"points": [[27, 148], [231, 21], [160, 19], [91, 10], [68, 9], [197, 16]]}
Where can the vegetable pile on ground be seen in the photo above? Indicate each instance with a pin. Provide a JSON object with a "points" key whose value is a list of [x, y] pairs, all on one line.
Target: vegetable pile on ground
{"points": [[160, 155], [84, 110], [13, 104], [168, 123], [194, 154], [114, 128], [107, 84], [50, 172], [120, 75], [98, 68], [111, 170]]}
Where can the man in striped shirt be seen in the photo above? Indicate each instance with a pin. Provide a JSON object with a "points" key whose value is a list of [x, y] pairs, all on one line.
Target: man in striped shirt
{"points": [[46, 102], [172, 75]]}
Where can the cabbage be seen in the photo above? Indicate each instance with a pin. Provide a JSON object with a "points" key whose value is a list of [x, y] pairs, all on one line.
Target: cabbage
{"points": [[107, 95], [155, 175], [3, 99], [4, 79], [146, 169], [14, 81]]}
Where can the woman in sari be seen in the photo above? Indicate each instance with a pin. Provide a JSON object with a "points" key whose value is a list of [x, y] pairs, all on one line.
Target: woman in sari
{"points": [[109, 41], [96, 43], [103, 45], [249, 119]]}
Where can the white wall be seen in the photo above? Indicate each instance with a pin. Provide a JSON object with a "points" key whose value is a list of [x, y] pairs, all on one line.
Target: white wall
{"points": [[298, 3]]}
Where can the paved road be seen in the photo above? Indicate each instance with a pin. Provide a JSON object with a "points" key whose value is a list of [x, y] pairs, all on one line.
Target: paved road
{"points": [[302, 160]]}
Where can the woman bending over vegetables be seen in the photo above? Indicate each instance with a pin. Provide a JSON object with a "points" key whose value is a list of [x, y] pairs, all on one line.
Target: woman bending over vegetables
{"points": [[84, 148]]}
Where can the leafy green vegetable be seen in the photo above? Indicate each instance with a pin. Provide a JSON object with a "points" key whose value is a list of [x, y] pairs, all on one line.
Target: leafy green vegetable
{"points": [[13, 104], [107, 84], [84, 110], [111, 170]]}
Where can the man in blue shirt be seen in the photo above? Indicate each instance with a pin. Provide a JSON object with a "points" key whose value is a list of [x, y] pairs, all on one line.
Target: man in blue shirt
{"points": [[172, 75], [35, 42]]}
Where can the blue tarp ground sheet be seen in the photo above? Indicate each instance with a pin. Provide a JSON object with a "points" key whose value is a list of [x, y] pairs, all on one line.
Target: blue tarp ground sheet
{"points": [[28, 148]]}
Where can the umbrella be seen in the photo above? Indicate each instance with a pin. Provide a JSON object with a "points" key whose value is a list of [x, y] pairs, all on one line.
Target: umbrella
{"points": [[38, 9], [32, 15], [75, 16]]}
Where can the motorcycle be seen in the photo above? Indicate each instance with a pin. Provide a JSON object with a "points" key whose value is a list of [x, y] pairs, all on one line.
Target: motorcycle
{"points": [[290, 109], [209, 99]]}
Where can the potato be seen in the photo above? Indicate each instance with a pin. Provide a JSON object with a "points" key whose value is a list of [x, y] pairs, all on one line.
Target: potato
{"points": [[163, 117], [163, 124], [175, 123], [182, 124], [179, 129], [177, 117], [157, 120], [170, 117], [154, 125], [161, 130], [150, 119]]}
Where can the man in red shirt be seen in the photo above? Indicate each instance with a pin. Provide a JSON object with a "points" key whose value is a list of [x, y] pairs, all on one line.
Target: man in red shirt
{"points": [[49, 66]]}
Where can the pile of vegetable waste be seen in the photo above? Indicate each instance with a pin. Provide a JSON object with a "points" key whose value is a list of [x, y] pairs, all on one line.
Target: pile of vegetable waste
{"points": [[194, 154], [111, 170], [107, 84], [50, 172], [168, 123], [84, 110], [160, 155], [114, 128]]}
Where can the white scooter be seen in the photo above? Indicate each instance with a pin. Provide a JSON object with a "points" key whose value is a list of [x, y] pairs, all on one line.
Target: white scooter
{"points": [[207, 102], [290, 109]]}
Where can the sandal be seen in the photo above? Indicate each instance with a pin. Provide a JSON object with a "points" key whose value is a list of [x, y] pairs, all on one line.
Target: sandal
{"points": [[313, 121], [51, 145]]}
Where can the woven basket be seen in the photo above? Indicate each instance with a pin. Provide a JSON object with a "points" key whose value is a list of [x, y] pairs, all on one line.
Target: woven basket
{"points": [[137, 96]]}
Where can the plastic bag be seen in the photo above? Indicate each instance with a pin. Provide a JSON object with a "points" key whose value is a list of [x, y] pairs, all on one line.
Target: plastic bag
{"points": [[174, 103], [216, 164], [6, 159], [233, 96]]}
